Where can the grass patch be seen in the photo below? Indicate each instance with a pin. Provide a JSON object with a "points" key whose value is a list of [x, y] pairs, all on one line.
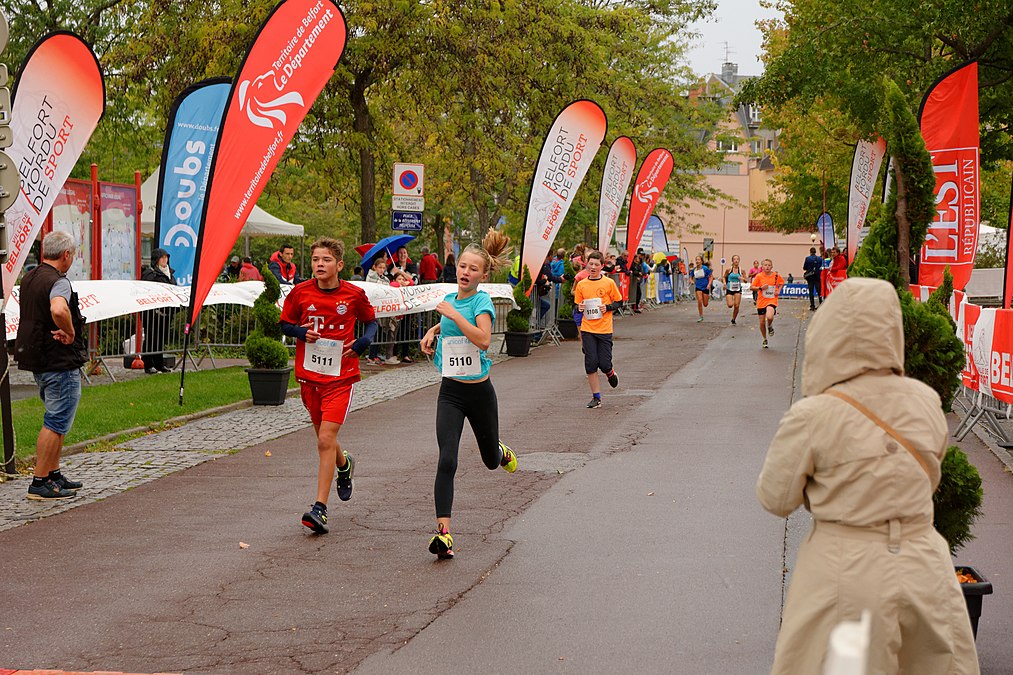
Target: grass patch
{"points": [[149, 401]]}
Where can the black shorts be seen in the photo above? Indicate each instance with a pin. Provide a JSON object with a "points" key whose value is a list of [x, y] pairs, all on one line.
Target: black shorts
{"points": [[597, 352], [733, 293], [763, 312]]}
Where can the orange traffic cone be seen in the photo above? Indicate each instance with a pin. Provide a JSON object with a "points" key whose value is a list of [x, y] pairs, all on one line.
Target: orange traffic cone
{"points": [[137, 363]]}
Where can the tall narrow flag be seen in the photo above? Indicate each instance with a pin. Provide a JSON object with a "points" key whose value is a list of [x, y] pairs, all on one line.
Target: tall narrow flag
{"points": [[1007, 282], [567, 153], [291, 59], [190, 135], [864, 174], [949, 124], [59, 97], [615, 181], [651, 180]]}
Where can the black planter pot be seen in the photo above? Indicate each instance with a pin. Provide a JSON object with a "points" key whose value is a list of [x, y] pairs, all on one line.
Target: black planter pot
{"points": [[973, 593], [567, 328], [517, 344], [268, 385]]}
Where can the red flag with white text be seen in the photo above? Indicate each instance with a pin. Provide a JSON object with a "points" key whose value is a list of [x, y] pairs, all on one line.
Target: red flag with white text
{"points": [[949, 124], [864, 174], [291, 59], [651, 180]]}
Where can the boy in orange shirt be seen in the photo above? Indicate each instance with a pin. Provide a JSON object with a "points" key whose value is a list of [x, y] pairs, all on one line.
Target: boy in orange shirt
{"points": [[597, 297], [767, 285]]}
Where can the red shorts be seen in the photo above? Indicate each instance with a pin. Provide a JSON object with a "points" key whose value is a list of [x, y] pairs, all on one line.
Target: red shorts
{"points": [[327, 402]]}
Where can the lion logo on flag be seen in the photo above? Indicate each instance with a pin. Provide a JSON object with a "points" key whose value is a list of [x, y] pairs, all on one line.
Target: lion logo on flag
{"points": [[646, 196], [263, 113]]}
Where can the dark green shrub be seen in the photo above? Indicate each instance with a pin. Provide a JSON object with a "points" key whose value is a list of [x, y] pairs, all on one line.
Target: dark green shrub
{"points": [[957, 501], [519, 320], [264, 348], [566, 305]]}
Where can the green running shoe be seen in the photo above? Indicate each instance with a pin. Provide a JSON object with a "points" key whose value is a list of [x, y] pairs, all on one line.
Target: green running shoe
{"points": [[442, 544], [509, 461]]}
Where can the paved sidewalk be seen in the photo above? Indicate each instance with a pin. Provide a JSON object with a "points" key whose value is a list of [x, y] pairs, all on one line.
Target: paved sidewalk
{"points": [[153, 456]]}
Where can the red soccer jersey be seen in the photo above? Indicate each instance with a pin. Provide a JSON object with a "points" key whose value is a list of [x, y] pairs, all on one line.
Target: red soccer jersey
{"points": [[332, 313]]}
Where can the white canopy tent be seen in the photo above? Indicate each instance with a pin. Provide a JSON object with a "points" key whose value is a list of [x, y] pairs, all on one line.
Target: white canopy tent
{"points": [[260, 222]]}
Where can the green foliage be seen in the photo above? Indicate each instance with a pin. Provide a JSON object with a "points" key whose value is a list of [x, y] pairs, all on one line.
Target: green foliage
{"points": [[264, 348], [957, 500], [933, 353], [519, 320], [566, 305], [137, 403]]}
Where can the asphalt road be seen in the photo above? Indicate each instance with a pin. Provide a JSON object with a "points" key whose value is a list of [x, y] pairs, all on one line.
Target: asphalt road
{"points": [[629, 539]]}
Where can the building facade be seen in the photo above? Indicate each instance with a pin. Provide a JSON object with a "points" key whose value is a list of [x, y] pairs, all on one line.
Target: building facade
{"points": [[745, 177]]}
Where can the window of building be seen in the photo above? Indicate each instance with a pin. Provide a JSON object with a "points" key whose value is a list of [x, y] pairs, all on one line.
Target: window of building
{"points": [[728, 146], [754, 114]]}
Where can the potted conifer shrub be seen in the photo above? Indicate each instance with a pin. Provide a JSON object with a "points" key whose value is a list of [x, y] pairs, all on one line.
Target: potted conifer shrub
{"points": [[564, 319], [957, 503], [518, 332], [269, 370]]}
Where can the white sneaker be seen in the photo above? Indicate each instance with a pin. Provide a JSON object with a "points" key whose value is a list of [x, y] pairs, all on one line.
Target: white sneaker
{"points": [[391, 361]]}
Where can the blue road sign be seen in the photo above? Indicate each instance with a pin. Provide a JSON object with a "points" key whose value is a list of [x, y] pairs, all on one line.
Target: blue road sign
{"points": [[406, 220]]}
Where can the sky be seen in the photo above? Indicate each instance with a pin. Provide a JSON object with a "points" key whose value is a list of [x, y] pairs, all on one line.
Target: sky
{"points": [[733, 22]]}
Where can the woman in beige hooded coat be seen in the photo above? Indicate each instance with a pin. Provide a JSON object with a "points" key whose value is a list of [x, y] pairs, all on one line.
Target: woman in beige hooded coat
{"points": [[872, 544]]}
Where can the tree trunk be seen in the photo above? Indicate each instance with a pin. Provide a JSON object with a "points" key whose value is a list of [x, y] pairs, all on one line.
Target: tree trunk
{"points": [[903, 227], [363, 125]]}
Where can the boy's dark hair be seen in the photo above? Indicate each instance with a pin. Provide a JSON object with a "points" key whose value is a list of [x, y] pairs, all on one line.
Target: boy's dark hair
{"points": [[596, 255]]}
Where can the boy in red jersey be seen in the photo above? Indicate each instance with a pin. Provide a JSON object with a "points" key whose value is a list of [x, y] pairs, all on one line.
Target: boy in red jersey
{"points": [[321, 314]]}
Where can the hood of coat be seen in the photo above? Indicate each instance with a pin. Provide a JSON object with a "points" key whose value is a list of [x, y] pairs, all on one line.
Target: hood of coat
{"points": [[857, 329]]}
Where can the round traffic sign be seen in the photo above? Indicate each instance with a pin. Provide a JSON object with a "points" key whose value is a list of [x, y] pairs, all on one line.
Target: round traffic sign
{"points": [[409, 180], [722, 261]]}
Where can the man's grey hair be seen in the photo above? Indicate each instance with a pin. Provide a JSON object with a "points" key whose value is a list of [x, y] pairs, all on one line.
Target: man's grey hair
{"points": [[425, 250], [56, 243]]}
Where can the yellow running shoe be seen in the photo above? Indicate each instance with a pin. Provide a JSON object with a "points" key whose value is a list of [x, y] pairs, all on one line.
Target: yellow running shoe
{"points": [[509, 461], [442, 544]]}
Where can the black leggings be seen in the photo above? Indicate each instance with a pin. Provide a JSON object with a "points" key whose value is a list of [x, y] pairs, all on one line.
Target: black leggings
{"points": [[459, 401]]}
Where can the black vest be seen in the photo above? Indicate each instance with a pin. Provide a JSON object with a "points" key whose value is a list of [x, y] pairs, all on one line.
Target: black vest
{"points": [[35, 348]]}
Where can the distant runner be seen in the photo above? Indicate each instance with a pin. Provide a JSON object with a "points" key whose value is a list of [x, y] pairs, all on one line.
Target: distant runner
{"points": [[321, 314], [464, 332], [702, 278], [767, 284], [734, 278]]}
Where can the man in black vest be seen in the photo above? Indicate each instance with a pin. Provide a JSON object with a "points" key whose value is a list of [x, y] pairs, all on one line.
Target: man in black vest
{"points": [[52, 345]]}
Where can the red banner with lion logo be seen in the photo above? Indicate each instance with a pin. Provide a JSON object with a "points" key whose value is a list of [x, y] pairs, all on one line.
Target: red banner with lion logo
{"points": [[291, 59]]}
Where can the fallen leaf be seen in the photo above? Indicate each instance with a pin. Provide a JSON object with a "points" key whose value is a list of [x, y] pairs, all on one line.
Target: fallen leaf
{"points": [[267, 453], [650, 494], [243, 544]]}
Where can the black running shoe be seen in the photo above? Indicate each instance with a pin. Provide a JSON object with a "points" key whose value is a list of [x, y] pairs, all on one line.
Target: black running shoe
{"points": [[316, 519], [613, 380], [344, 480], [66, 483], [48, 491], [595, 403]]}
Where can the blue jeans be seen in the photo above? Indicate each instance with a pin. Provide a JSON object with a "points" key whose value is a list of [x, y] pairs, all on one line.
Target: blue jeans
{"points": [[60, 392]]}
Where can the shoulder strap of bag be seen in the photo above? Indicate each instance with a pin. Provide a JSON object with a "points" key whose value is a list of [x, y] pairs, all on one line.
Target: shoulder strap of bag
{"points": [[883, 425]]}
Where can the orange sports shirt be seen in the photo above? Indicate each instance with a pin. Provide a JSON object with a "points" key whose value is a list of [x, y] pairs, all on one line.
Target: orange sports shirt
{"points": [[767, 279], [604, 289]]}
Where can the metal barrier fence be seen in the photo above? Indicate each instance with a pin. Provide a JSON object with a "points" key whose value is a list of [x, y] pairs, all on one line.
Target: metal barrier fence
{"points": [[222, 327]]}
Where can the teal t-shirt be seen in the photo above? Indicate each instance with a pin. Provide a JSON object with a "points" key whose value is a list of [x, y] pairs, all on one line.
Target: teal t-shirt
{"points": [[470, 308]]}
